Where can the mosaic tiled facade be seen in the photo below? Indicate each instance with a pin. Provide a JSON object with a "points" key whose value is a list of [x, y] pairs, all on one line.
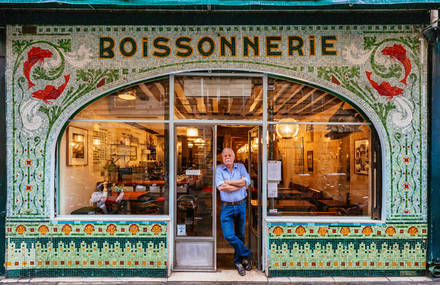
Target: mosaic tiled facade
{"points": [[55, 70], [353, 250], [87, 249]]}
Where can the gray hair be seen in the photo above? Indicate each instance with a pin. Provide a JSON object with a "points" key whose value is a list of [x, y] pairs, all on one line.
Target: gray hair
{"points": [[228, 149]]}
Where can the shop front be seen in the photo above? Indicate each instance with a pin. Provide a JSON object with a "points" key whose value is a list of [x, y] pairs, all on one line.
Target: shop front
{"points": [[115, 133]]}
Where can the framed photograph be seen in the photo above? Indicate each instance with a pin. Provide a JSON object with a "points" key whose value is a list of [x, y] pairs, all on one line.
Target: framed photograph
{"points": [[77, 149], [299, 155], [133, 153], [361, 157], [309, 134], [310, 160]]}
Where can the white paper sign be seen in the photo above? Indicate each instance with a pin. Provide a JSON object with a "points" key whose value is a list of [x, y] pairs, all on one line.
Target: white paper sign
{"points": [[192, 172], [274, 170], [272, 190], [273, 211], [181, 230]]}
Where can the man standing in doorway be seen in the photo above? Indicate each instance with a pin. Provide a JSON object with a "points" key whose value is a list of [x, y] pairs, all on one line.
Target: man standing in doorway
{"points": [[232, 179]]}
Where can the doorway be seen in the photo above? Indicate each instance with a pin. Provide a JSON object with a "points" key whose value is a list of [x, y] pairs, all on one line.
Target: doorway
{"points": [[199, 242]]}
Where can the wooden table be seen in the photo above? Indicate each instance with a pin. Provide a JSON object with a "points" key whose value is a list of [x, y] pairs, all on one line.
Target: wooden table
{"points": [[128, 196], [303, 205], [334, 203]]}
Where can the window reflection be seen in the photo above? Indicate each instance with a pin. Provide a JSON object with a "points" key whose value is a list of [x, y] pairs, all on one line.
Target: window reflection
{"points": [[124, 170], [307, 104], [219, 98], [147, 101], [325, 169], [194, 180]]}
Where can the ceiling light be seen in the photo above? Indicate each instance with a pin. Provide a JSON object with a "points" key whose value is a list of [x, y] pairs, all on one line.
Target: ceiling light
{"points": [[128, 95], [287, 131], [192, 132]]}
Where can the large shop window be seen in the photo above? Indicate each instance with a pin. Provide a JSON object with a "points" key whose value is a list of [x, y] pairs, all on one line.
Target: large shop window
{"points": [[113, 156], [329, 157]]}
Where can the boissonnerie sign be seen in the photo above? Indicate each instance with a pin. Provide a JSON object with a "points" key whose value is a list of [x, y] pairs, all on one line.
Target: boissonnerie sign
{"points": [[220, 45]]}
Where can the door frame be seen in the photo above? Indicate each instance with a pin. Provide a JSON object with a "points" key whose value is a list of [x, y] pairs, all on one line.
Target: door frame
{"points": [[214, 125], [172, 166], [212, 239]]}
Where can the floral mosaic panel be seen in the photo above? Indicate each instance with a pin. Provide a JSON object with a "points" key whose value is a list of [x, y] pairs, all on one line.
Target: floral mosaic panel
{"points": [[375, 250], [137, 249], [58, 69]]}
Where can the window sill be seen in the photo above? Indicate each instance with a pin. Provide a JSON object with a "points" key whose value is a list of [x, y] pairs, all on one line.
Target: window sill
{"points": [[325, 220], [110, 218]]}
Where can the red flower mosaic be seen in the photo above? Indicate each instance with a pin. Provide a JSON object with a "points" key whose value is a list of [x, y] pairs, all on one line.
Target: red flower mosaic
{"points": [[406, 186], [28, 162], [406, 159], [28, 187]]}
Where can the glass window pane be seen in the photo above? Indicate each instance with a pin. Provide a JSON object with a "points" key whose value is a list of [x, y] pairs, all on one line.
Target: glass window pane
{"points": [[218, 98], [113, 168], [304, 103], [194, 164], [325, 170], [144, 101]]}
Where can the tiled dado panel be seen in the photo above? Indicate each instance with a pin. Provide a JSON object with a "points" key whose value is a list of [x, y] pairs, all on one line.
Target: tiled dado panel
{"points": [[346, 250], [86, 249]]}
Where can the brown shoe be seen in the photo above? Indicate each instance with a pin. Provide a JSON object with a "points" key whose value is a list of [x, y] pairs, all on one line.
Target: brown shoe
{"points": [[247, 264], [240, 269]]}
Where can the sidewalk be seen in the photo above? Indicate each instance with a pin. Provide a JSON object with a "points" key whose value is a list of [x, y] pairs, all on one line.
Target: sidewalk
{"points": [[220, 277]]}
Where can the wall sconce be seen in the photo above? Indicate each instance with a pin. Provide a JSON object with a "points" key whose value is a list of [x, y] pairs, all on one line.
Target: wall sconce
{"points": [[192, 132], [128, 95], [287, 131]]}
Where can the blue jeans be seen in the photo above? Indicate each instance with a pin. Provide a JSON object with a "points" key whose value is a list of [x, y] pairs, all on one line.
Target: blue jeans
{"points": [[233, 220]]}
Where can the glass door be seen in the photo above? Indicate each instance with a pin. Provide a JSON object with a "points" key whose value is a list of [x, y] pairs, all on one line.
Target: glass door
{"points": [[195, 198], [254, 197]]}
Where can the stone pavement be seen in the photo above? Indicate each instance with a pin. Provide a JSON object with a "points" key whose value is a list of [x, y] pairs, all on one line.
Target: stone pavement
{"points": [[219, 277]]}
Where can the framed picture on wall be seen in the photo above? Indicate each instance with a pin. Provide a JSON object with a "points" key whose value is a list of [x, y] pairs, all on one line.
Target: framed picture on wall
{"points": [[361, 157], [310, 160], [77, 149], [133, 153], [309, 134]]}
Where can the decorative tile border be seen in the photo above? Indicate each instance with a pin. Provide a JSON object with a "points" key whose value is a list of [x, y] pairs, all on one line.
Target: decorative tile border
{"points": [[88, 229], [353, 250], [109, 249]]}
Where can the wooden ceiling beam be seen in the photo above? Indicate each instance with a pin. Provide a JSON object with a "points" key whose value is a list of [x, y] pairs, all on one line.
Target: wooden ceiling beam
{"points": [[281, 90], [257, 101], [311, 103], [147, 91], [294, 89], [181, 95], [302, 99], [257, 92]]}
